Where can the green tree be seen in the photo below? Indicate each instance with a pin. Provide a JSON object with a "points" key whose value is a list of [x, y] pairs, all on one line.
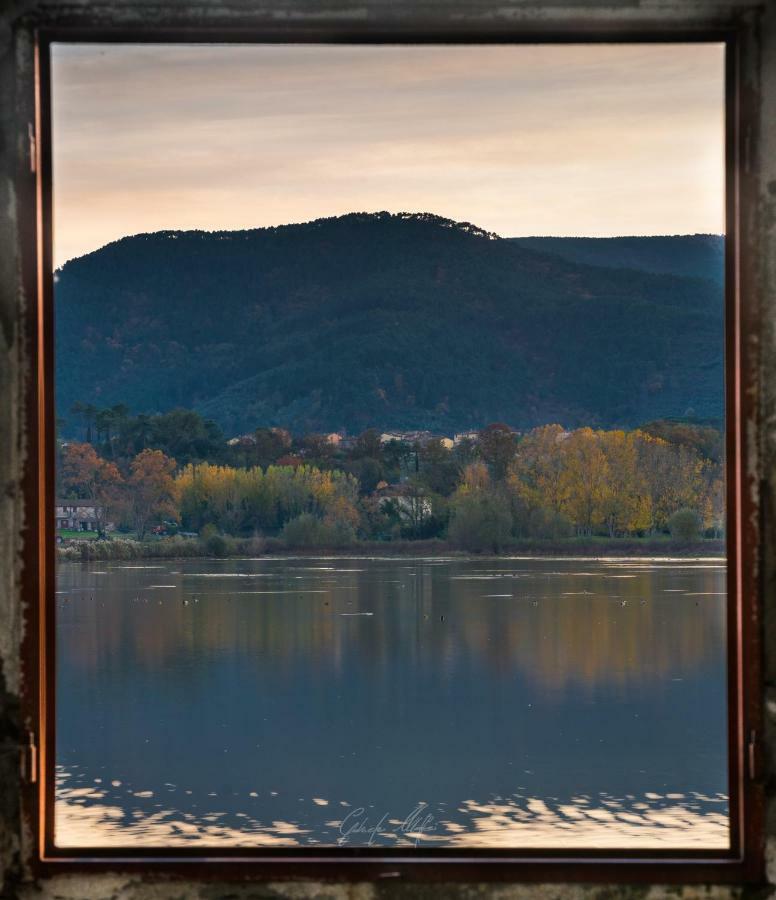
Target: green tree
{"points": [[685, 525], [439, 469], [368, 444], [87, 413], [481, 520], [270, 444]]}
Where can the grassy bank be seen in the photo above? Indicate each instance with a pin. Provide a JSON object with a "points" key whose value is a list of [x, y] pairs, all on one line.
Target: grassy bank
{"points": [[225, 547]]}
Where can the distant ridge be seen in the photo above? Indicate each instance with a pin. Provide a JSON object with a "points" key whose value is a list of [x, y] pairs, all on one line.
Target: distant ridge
{"points": [[693, 255], [395, 321]]}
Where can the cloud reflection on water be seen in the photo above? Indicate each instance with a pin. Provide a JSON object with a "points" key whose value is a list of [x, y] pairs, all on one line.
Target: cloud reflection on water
{"points": [[90, 816]]}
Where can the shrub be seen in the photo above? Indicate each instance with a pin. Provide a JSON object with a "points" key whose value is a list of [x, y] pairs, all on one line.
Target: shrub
{"points": [[207, 531], [337, 534], [304, 531], [253, 546], [124, 548], [481, 521], [307, 530], [685, 525], [541, 524], [216, 545]]}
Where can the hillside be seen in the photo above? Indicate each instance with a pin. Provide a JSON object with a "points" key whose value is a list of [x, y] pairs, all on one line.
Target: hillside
{"points": [[693, 255], [386, 320]]}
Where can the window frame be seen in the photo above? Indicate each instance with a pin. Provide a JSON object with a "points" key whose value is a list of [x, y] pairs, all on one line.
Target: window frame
{"points": [[745, 860]]}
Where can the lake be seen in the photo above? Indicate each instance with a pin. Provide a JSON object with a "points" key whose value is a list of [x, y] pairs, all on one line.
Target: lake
{"points": [[453, 702]]}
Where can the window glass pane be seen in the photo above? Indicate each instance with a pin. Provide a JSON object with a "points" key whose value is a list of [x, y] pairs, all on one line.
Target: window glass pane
{"points": [[390, 461]]}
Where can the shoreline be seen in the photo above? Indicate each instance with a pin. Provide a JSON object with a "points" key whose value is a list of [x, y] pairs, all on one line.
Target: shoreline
{"points": [[176, 548]]}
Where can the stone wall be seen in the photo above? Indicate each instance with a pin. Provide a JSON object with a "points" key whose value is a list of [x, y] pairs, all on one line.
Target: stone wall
{"points": [[17, 19]]}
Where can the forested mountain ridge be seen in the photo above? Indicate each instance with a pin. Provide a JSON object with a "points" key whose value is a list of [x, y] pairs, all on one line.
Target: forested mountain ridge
{"points": [[693, 255], [393, 321]]}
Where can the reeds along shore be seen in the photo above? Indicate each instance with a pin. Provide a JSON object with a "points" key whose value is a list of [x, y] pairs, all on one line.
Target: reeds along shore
{"points": [[225, 547]]}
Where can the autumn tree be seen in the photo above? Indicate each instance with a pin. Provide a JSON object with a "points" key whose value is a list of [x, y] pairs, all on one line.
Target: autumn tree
{"points": [[152, 489], [675, 477], [250, 500], [475, 478], [87, 476], [625, 504], [708, 442], [341, 513], [536, 482], [714, 507], [584, 481]]}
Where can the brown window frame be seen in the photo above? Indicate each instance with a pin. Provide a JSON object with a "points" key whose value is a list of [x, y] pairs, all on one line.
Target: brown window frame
{"points": [[745, 861]]}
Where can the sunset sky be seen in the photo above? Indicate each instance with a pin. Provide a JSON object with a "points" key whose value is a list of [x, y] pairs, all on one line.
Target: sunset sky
{"points": [[521, 140]]}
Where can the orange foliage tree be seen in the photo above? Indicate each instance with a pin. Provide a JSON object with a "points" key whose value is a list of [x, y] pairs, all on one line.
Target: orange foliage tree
{"points": [[86, 476], [152, 489]]}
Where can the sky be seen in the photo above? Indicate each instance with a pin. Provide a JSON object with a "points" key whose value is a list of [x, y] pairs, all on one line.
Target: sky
{"points": [[541, 139]]}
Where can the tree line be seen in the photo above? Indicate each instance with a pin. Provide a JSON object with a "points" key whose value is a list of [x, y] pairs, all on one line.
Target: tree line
{"points": [[176, 472]]}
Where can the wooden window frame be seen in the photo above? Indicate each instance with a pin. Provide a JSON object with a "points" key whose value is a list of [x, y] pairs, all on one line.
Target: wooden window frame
{"points": [[745, 861]]}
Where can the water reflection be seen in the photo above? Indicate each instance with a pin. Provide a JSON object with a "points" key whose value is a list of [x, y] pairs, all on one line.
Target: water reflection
{"points": [[91, 816], [243, 701]]}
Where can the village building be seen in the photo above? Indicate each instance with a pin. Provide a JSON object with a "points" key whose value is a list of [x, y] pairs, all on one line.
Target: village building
{"points": [[242, 440], [80, 515], [416, 437], [387, 436], [408, 502], [462, 436]]}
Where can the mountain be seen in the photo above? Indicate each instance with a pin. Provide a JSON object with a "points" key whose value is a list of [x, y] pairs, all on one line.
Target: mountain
{"points": [[693, 255], [394, 321]]}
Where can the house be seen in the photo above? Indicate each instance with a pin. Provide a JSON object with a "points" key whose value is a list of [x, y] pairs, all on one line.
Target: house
{"points": [[242, 440], [421, 438], [387, 436], [472, 436], [80, 515], [410, 504], [251, 439]]}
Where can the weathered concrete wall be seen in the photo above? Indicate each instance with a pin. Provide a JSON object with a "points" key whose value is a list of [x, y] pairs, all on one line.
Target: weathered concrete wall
{"points": [[17, 18]]}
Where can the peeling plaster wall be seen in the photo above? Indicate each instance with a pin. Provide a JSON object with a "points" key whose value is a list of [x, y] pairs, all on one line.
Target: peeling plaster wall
{"points": [[17, 19]]}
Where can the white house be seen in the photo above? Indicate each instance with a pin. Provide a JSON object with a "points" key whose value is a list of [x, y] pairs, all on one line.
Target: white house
{"points": [[408, 502]]}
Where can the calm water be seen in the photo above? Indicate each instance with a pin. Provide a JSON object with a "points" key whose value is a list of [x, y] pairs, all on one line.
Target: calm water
{"points": [[443, 702]]}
